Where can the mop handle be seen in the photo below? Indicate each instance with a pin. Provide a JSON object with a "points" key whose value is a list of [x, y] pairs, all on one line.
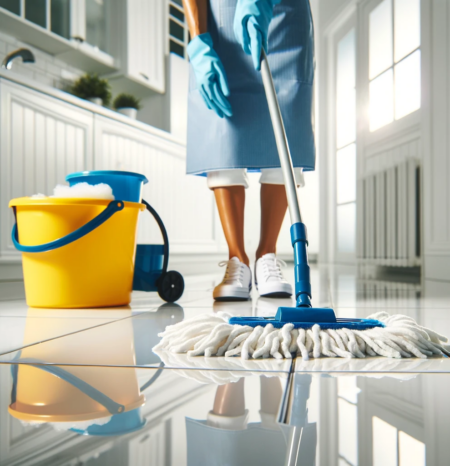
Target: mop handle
{"points": [[281, 140]]}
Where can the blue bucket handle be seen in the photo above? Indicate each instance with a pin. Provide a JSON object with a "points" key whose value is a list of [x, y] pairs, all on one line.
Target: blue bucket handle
{"points": [[98, 396], [165, 239], [111, 209], [89, 390]]}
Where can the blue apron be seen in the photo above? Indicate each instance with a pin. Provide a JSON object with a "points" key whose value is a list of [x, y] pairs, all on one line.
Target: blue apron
{"points": [[246, 140]]}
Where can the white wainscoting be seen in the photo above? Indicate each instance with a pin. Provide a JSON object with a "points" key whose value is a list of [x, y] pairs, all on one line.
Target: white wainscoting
{"points": [[42, 140], [436, 143], [44, 135], [185, 204]]}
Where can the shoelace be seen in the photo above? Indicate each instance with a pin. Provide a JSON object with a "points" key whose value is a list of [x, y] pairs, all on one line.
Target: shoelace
{"points": [[234, 272], [272, 268]]}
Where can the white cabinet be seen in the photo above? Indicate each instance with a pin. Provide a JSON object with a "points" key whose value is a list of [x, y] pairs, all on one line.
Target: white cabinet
{"points": [[149, 448], [145, 33], [42, 139], [140, 47]]}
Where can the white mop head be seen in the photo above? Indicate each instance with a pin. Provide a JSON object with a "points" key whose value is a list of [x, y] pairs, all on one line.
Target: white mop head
{"points": [[212, 335]]}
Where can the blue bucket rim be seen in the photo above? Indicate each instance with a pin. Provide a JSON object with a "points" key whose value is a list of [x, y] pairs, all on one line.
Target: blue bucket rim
{"points": [[107, 173], [99, 433]]}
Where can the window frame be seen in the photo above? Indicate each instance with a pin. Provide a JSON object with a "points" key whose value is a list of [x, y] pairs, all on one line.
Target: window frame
{"points": [[349, 24], [74, 52], [404, 124], [182, 43]]}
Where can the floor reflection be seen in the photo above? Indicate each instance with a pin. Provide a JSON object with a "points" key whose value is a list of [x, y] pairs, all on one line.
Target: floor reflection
{"points": [[85, 388], [121, 416]]}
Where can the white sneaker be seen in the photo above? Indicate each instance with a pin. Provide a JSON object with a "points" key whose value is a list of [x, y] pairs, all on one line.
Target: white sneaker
{"points": [[269, 279], [237, 282]]}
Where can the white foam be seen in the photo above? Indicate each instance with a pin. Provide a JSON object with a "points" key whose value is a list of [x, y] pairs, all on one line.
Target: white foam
{"points": [[84, 191], [38, 196]]}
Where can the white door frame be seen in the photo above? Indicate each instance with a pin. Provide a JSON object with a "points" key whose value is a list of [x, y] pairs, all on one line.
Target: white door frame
{"points": [[340, 26]]}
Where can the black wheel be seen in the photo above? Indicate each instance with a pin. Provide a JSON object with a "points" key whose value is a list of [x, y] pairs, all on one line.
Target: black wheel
{"points": [[171, 286]]}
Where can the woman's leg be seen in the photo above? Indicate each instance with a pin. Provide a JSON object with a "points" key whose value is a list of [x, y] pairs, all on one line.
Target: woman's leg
{"points": [[229, 190], [273, 210], [229, 400], [230, 203], [229, 407], [271, 393]]}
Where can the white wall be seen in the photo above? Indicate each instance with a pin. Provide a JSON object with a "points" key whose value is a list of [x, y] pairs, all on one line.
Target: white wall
{"points": [[327, 10], [425, 139], [168, 111], [376, 151], [179, 85], [46, 70], [435, 130]]}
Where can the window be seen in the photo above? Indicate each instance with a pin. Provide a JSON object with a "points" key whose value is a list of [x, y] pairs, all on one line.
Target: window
{"points": [[11, 5], [96, 31], [346, 144], [178, 31], [61, 17], [394, 61], [391, 447], [53, 15]]}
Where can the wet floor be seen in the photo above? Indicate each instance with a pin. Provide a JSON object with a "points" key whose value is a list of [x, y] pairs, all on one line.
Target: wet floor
{"points": [[83, 387]]}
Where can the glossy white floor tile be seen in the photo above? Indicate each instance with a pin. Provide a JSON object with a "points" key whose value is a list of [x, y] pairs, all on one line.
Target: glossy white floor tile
{"points": [[126, 336], [39, 325], [370, 419], [98, 416], [118, 416], [374, 365], [127, 342], [120, 404]]}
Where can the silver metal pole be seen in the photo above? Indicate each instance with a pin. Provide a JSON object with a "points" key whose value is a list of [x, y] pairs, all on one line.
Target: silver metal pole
{"points": [[293, 452], [281, 140]]}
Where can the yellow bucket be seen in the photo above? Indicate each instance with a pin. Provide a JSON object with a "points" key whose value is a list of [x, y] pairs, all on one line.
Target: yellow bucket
{"points": [[76, 253], [48, 393], [73, 392]]}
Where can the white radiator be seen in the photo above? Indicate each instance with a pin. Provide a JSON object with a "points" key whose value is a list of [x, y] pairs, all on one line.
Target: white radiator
{"points": [[389, 216]]}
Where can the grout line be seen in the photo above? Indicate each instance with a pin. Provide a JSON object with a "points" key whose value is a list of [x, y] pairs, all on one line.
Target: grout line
{"points": [[67, 334], [262, 371]]}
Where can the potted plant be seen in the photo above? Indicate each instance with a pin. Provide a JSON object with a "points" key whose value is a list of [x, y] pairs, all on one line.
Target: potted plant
{"points": [[93, 88], [127, 104]]}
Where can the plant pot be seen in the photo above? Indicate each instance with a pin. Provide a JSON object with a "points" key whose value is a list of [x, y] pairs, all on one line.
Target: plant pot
{"points": [[129, 112], [96, 100]]}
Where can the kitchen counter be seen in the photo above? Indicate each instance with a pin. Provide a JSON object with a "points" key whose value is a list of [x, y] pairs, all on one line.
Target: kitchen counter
{"points": [[86, 105]]}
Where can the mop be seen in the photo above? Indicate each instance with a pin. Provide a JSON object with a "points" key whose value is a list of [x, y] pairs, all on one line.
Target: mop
{"points": [[301, 330]]}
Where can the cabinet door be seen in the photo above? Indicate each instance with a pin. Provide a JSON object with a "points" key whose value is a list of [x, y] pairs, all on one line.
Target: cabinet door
{"points": [[184, 203], [42, 140], [146, 39], [149, 447]]}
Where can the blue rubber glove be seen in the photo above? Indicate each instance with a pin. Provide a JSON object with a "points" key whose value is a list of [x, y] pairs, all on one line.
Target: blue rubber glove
{"points": [[209, 74], [251, 26]]}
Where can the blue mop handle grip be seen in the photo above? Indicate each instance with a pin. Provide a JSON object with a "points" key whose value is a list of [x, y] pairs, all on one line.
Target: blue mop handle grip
{"points": [[299, 240]]}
